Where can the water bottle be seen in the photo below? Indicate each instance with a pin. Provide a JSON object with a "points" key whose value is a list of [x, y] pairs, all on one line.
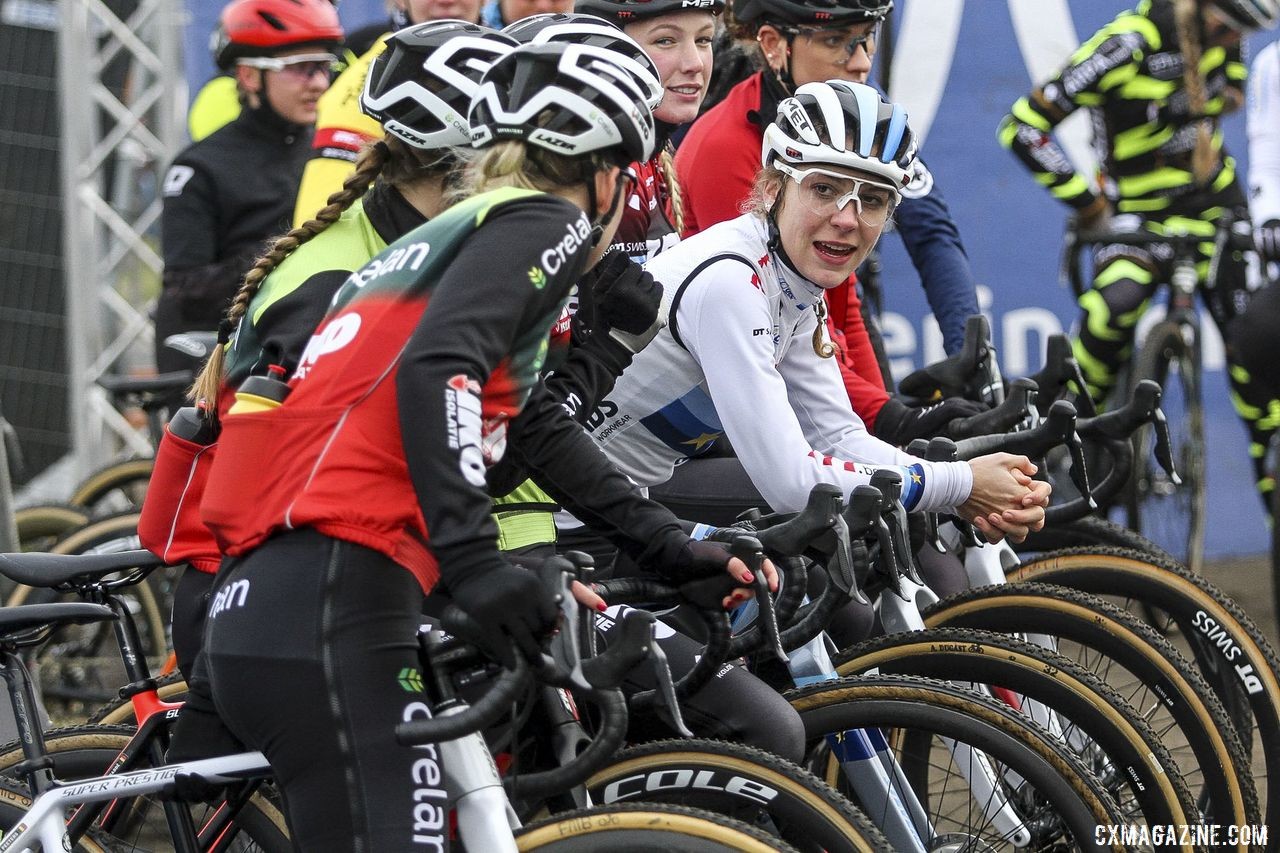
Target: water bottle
{"points": [[261, 393], [193, 424]]}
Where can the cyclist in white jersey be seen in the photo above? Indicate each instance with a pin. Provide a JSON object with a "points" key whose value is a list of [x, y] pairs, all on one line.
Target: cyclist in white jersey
{"points": [[744, 354]]}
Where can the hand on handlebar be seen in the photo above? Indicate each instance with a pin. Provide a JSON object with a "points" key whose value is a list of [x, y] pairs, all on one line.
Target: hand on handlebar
{"points": [[900, 421], [587, 597], [508, 604], [1005, 501], [696, 559]]}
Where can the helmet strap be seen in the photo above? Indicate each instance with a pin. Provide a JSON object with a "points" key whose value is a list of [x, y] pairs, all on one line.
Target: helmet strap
{"points": [[783, 76], [619, 192], [775, 236]]}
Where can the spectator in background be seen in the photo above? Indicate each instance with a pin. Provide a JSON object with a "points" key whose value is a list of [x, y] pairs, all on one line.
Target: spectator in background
{"points": [[218, 101], [227, 194], [341, 128], [499, 13]]}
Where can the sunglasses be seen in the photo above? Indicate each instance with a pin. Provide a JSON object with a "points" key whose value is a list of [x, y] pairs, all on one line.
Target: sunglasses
{"points": [[837, 45], [303, 67]]}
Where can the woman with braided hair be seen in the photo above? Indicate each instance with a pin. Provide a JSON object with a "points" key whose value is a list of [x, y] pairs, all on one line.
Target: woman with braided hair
{"points": [[341, 508], [416, 89]]}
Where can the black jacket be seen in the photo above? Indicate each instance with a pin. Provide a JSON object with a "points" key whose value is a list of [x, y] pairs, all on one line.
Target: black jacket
{"points": [[224, 198]]}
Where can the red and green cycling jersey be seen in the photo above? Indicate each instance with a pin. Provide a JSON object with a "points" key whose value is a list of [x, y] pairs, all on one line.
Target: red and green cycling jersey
{"points": [[426, 364]]}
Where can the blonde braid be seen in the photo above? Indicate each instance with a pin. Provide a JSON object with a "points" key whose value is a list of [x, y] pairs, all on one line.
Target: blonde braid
{"points": [[668, 165], [368, 166]]}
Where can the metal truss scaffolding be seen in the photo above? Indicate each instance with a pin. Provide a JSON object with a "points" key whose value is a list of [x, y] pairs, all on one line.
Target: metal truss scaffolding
{"points": [[122, 99]]}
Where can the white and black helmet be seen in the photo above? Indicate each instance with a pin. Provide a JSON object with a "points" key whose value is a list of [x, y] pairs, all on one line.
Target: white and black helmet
{"points": [[420, 88], [569, 98], [1250, 14], [593, 31], [839, 123]]}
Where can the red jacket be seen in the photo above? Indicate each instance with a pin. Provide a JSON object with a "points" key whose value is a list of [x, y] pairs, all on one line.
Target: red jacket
{"points": [[717, 164]]}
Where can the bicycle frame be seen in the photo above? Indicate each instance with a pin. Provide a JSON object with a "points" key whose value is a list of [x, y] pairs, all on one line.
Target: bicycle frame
{"points": [[46, 821]]}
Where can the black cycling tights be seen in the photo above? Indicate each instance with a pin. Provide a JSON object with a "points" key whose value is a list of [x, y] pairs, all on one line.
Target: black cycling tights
{"points": [[734, 705], [313, 660], [311, 655]]}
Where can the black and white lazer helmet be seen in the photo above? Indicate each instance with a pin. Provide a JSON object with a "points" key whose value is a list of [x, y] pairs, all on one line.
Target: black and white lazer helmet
{"points": [[841, 123], [593, 31], [569, 98], [420, 88], [1250, 14]]}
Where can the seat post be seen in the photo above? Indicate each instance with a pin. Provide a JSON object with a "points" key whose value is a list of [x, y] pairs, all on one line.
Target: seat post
{"points": [[37, 766]]}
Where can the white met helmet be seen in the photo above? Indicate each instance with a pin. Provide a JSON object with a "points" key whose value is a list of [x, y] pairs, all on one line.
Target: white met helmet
{"points": [[569, 98], [838, 123]]}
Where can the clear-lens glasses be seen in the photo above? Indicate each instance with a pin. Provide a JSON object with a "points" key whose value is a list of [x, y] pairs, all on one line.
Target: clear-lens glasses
{"points": [[824, 193]]}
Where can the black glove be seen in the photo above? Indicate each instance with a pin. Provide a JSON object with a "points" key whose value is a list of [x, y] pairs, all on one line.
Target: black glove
{"points": [[626, 301], [507, 603], [685, 559], [899, 423], [1267, 238]]}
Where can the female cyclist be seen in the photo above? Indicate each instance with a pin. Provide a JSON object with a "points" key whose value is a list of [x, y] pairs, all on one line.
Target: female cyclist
{"points": [[342, 507], [677, 36], [744, 353], [423, 81]]}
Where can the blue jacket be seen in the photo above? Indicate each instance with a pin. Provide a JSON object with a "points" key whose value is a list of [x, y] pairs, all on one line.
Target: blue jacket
{"points": [[932, 240]]}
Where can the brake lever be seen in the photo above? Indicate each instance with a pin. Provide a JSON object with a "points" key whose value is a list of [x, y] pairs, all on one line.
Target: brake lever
{"points": [[584, 570], [943, 449], [1084, 400], [1079, 473], [918, 448], [1164, 447], [557, 575], [750, 551], [895, 514], [887, 565], [665, 684], [630, 642]]}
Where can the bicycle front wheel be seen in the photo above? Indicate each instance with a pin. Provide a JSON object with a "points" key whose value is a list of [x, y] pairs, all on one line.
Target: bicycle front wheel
{"points": [[1172, 516], [1084, 715], [748, 784], [1228, 648], [939, 738]]}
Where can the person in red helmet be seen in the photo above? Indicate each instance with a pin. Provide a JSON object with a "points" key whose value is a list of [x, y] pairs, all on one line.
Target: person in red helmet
{"points": [[225, 195]]}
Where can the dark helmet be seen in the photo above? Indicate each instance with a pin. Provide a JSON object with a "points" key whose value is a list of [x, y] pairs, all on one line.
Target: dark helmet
{"points": [[811, 13], [420, 87], [249, 28], [569, 98], [623, 12], [590, 30]]}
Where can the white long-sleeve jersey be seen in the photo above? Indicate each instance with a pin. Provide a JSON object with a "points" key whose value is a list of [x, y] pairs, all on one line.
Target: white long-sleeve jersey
{"points": [[736, 359], [1263, 99]]}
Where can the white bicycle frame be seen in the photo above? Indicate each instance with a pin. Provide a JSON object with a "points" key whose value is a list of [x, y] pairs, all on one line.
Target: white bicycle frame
{"points": [[486, 820]]}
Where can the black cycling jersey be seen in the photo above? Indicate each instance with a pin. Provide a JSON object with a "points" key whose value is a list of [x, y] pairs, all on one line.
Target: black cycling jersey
{"points": [[224, 197]]}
